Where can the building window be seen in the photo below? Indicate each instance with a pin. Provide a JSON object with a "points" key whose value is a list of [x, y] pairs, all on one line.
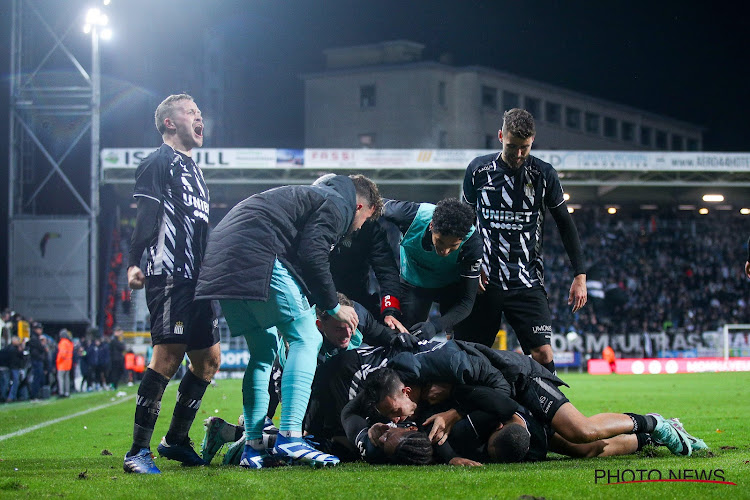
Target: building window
{"points": [[442, 139], [661, 139], [610, 127], [592, 123], [627, 130], [441, 93], [510, 100], [367, 96], [553, 112], [533, 106], [489, 97], [367, 140], [573, 118], [677, 142], [489, 141], [646, 134], [692, 144]]}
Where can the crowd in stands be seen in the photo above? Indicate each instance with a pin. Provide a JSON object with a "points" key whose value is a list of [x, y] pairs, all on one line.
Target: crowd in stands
{"points": [[35, 365], [655, 272], [648, 272]]}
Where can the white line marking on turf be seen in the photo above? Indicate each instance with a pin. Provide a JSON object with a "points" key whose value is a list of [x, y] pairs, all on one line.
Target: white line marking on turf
{"points": [[62, 419]]}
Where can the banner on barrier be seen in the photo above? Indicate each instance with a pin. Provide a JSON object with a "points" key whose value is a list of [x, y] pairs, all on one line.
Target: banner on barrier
{"points": [[668, 366]]}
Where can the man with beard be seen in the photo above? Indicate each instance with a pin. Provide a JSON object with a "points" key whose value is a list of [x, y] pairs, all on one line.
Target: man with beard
{"points": [[172, 225], [511, 193]]}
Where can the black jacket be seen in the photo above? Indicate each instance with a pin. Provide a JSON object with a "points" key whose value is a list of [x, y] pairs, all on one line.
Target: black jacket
{"points": [[37, 352], [299, 225], [516, 368], [505, 373], [449, 362], [352, 258]]}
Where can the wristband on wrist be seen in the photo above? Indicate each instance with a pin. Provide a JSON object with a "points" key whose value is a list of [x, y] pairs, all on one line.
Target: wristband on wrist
{"points": [[389, 301]]}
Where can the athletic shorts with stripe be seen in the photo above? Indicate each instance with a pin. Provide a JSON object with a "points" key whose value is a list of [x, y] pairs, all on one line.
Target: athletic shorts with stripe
{"points": [[178, 319]]}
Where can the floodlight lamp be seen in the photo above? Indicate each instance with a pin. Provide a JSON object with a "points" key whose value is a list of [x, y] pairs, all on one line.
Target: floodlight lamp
{"points": [[612, 210], [745, 211], [571, 210], [714, 198], [106, 2], [566, 196], [92, 16], [703, 211]]}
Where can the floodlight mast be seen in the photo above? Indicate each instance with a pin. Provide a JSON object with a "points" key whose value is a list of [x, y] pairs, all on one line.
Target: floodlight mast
{"points": [[95, 20]]}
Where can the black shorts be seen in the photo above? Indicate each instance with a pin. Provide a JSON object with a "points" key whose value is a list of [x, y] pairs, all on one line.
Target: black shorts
{"points": [[542, 398], [178, 319], [526, 311]]}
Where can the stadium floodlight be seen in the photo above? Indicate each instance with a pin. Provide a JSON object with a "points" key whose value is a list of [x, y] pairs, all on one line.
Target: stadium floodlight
{"points": [[745, 211], [703, 211], [96, 22], [713, 198], [612, 210], [566, 196]]}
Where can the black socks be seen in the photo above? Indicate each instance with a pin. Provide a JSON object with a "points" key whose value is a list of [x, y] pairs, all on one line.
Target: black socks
{"points": [[642, 423], [147, 406], [189, 397]]}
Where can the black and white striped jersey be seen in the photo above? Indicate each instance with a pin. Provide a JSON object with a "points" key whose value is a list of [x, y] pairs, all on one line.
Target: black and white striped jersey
{"points": [[511, 206], [178, 242]]}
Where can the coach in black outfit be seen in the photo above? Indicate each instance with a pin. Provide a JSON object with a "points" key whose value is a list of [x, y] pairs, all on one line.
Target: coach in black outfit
{"points": [[351, 260], [511, 192]]}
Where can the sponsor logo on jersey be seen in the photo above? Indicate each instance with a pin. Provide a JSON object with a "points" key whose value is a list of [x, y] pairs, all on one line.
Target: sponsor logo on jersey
{"points": [[506, 215], [485, 168]]}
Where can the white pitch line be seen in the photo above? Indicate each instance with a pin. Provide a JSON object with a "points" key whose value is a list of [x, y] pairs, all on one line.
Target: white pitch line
{"points": [[62, 419]]}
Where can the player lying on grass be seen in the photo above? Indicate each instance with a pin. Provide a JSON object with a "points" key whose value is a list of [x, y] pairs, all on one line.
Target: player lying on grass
{"points": [[480, 437], [395, 392]]}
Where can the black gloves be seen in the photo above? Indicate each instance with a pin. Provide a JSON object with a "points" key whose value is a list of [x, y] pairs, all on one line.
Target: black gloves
{"points": [[405, 341], [424, 330]]}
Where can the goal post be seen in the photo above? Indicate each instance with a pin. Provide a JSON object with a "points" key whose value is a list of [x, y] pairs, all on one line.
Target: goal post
{"points": [[734, 340]]}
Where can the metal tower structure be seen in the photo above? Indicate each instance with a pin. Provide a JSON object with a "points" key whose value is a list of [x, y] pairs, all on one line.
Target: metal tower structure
{"points": [[54, 125]]}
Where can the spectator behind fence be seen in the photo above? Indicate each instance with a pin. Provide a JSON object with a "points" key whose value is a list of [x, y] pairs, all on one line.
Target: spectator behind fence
{"points": [[64, 363]]}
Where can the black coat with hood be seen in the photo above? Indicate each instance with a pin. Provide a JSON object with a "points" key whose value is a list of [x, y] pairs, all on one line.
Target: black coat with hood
{"points": [[299, 225]]}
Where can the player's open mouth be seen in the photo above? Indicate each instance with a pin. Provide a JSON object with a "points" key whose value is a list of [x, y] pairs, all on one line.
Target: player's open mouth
{"points": [[198, 130]]}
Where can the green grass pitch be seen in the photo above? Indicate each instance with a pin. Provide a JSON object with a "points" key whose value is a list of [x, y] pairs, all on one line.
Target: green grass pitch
{"points": [[71, 458]]}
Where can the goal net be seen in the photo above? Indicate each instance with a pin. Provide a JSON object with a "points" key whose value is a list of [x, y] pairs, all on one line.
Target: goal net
{"points": [[729, 341]]}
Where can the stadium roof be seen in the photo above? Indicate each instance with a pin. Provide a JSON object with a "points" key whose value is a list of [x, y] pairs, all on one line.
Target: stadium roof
{"points": [[603, 177]]}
